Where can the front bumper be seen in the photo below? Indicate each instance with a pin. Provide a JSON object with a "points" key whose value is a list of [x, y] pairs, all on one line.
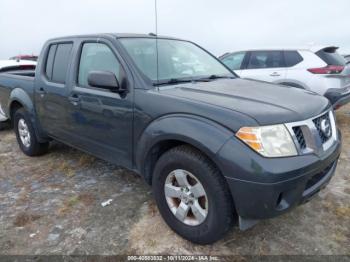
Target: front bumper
{"points": [[265, 187], [338, 97]]}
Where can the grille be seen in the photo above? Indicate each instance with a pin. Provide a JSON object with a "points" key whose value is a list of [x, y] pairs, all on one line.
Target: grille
{"points": [[309, 137], [317, 122], [300, 137]]}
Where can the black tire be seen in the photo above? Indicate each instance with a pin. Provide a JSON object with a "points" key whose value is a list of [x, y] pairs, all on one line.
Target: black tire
{"points": [[220, 216], [35, 148]]}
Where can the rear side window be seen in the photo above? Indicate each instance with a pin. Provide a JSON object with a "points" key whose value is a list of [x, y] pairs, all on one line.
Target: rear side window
{"points": [[292, 58], [234, 61], [49, 61], [57, 62], [331, 57], [97, 57], [61, 63], [265, 59]]}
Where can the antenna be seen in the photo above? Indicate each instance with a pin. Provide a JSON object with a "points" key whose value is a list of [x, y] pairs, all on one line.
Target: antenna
{"points": [[156, 26], [156, 15]]}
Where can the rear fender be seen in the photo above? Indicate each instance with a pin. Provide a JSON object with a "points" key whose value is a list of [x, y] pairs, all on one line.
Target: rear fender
{"points": [[20, 96]]}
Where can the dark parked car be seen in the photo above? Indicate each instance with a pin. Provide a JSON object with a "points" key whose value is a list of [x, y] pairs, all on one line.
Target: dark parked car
{"points": [[216, 148]]}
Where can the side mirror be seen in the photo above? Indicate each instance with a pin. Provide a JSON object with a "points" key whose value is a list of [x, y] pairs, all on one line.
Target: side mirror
{"points": [[104, 80]]}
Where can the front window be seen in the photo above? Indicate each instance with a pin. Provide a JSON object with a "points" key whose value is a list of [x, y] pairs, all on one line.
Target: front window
{"points": [[176, 59], [97, 57], [234, 61]]}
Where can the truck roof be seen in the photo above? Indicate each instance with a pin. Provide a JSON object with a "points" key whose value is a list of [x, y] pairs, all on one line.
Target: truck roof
{"points": [[115, 35]]}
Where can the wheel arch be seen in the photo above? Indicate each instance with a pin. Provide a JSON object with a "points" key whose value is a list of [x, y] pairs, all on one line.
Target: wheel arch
{"points": [[20, 99], [168, 132]]}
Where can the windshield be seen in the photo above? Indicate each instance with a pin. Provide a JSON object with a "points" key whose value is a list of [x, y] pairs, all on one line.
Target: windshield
{"points": [[177, 60]]}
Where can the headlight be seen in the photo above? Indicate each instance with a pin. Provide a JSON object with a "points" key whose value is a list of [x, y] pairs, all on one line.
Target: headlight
{"points": [[269, 141]]}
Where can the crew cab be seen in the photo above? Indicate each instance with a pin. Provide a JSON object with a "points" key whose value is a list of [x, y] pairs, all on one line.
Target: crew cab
{"points": [[216, 149]]}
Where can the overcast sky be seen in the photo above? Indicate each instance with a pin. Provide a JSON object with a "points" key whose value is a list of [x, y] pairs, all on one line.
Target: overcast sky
{"points": [[217, 25]]}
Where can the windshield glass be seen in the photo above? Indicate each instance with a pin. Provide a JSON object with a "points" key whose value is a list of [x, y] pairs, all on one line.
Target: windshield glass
{"points": [[176, 59]]}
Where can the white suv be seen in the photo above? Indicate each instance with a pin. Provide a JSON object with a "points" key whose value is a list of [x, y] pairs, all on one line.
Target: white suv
{"points": [[319, 69]]}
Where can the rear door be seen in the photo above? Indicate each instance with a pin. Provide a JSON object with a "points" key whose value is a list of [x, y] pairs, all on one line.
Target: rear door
{"points": [[51, 91], [265, 66]]}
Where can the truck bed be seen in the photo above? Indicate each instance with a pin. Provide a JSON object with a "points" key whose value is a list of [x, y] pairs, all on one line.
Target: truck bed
{"points": [[22, 79]]}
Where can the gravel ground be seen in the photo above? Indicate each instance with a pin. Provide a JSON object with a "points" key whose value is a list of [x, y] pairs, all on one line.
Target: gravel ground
{"points": [[52, 205]]}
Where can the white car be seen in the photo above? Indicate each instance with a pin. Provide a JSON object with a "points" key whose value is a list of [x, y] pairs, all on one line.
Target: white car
{"points": [[318, 69], [13, 65]]}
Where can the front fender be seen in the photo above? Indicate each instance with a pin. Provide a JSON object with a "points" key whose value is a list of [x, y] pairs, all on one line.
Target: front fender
{"points": [[199, 132]]}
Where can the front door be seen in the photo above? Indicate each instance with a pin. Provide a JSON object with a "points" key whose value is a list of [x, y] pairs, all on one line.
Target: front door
{"points": [[102, 119]]}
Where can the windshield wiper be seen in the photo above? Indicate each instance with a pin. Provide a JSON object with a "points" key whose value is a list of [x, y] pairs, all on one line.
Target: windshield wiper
{"points": [[173, 81], [213, 77], [186, 80]]}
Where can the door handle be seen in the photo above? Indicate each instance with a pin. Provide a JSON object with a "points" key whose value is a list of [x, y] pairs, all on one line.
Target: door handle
{"points": [[74, 99], [275, 74], [41, 92]]}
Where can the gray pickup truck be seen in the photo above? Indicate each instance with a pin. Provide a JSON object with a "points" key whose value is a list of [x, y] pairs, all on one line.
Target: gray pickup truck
{"points": [[217, 150]]}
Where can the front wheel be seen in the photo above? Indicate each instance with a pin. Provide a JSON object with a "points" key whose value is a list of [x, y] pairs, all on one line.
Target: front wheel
{"points": [[192, 195], [26, 136]]}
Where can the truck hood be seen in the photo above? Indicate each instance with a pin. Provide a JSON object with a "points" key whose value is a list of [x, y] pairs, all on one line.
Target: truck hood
{"points": [[265, 102]]}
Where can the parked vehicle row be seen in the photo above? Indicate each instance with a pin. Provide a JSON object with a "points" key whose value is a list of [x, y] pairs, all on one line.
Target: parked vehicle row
{"points": [[318, 69], [217, 150]]}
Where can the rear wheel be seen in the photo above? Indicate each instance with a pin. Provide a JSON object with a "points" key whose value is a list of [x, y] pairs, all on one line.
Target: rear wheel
{"points": [[192, 195], [26, 136]]}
